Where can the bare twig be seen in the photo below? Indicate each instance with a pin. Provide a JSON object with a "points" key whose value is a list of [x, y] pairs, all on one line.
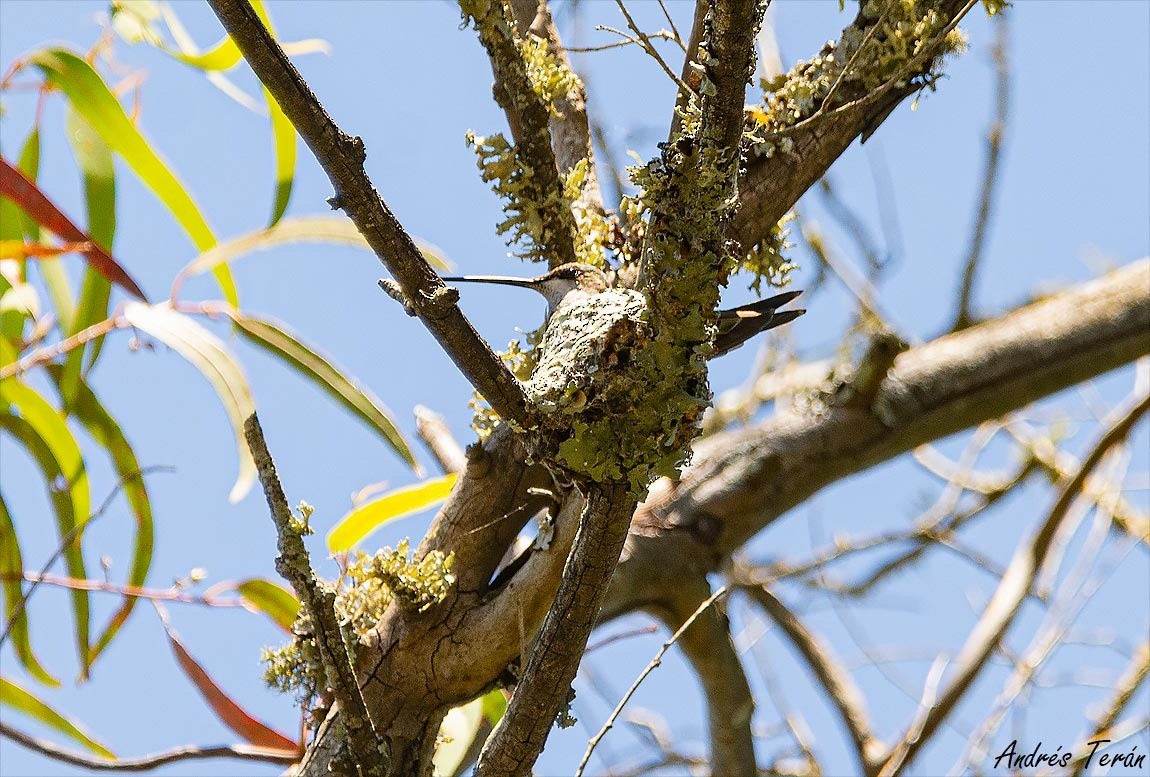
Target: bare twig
{"points": [[709, 649], [841, 689], [433, 430], [294, 565], [147, 762], [645, 42], [1011, 592], [654, 663], [1124, 691], [990, 179], [342, 157], [68, 539]]}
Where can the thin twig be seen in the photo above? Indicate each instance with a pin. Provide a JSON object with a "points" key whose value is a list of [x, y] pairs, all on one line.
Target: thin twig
{"points": [[68, 539], [655, 662], [990, 178], [1124, 691], [645, 41], [151, 761], [827, 669], [1007, 600]]}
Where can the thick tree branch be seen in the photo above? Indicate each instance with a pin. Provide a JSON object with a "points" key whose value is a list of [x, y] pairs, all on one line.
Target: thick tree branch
{"points": [[342, 157], [771, 186], [749, 477], [542, 691], [743, 480]]}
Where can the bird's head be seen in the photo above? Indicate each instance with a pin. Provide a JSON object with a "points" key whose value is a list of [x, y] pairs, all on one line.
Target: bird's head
{"points": [[558, 283]]}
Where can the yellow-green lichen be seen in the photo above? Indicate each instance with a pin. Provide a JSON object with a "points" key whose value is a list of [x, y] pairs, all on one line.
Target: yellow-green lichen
{"points": [[896, 41], [369, 584], [550, 78], [593, 229], [767, 260], [597, 364]]}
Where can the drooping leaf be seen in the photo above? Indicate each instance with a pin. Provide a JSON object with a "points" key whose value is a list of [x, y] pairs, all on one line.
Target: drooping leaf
{"points": [[400, 503], [272, 600], [304, 229], [227, 710], [212, 358], [59, 288], [275, 339], [457, 732], [15, 615], [107, 433], [50, 443], [12, 695], [92, 99], [16, 186], [140, 23], [94, 158]]}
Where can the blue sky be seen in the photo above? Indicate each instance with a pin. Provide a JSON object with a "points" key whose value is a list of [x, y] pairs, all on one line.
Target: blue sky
{"points": [[1074, 200]]}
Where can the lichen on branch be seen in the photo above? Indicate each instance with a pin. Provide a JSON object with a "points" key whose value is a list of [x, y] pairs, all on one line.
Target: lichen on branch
{"points": [[892, 44], [529, 79]]}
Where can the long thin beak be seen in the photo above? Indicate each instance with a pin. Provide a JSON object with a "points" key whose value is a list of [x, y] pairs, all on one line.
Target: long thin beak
{"points": [[502, 280]]}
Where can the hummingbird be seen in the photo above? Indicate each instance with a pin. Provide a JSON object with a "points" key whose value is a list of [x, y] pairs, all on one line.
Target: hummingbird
{"points": [[574, 283]]}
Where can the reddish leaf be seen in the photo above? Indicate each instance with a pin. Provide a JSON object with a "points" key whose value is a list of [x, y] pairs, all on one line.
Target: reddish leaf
{"points": [[227, 710], [15, 186]]}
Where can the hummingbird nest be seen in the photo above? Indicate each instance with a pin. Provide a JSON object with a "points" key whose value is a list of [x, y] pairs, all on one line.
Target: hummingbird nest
{"points": [[597, 365]]}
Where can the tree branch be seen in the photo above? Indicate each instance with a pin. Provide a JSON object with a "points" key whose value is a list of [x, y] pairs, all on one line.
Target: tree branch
{"points": [[543, 689], [841, 689], [529, 117], [146, 762], [772, 185], [965, 316], [294, 565], [342, 157], [1007, 599]]}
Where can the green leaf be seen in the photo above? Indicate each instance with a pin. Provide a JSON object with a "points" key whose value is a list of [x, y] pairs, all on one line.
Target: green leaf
{"points": [[12, 695], [15, 614], [272, 600], [284, 138], [48, 440], [90, 96], [107, 433], [94, 158], [457, 732], [59, 289], [304, 229], [494, 706], [212, 358], [138, 22], [400, 503], [272, 337]]}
